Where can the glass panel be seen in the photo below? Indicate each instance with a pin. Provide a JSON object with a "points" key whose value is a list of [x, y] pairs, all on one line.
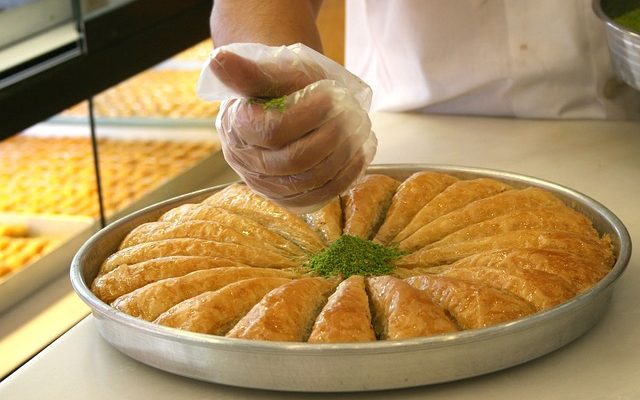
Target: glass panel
{"points": [[48, 170], [91, 8], [36, 34], [156, 138], [22, 19], [47, 202], [164, 95]]}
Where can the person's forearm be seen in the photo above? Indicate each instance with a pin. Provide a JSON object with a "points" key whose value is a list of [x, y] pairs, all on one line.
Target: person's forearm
{"points": [[272, 22]]}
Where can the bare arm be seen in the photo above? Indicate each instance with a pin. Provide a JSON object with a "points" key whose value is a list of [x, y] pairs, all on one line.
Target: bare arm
{"points": [[272, 22]]}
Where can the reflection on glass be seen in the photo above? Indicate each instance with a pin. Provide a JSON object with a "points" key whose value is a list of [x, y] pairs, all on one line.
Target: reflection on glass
{"points": [[46, 187], [8, 4], [162, 95], [91, 8], [35, 34], [20, 20]]}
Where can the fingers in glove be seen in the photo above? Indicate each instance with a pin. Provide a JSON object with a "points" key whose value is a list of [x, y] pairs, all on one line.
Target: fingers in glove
{"points": [[317, 176], [258, 125], [266, 80], [349, 173], [295, 158], [335, 186], [302, 154]]}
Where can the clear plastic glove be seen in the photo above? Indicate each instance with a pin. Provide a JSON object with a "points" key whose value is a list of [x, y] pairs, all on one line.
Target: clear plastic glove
{"points": [[299, 150]]}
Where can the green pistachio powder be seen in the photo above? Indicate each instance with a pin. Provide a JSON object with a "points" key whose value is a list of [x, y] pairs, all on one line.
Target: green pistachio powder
{"points": [[630, 20], [350, 255], [277, 103]]}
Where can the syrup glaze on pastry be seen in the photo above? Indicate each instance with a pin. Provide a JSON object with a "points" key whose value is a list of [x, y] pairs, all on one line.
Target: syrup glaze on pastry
{"points": [[151, 300], [365, 205], [412, 194], [216, 312], [464, 254], [286, 313], [402, 311], [346, 316], [454, 196]]}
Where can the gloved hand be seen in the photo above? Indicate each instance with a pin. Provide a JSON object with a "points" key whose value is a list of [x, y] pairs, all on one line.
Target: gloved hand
{"points": [[296, 127]]}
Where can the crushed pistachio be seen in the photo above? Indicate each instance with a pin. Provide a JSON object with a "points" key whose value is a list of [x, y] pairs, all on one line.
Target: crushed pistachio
{"points": [[350, 255], [630, 20], [277, 103]]}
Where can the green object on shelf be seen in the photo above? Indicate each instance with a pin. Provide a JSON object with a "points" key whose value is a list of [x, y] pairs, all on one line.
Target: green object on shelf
{"points": [[630, 20]]}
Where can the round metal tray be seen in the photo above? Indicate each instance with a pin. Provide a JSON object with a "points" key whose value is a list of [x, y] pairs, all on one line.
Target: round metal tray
{"points": [[351, 367]]}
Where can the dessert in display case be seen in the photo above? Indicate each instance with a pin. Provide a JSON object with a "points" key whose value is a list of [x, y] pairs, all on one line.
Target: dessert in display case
{"points": [[162, 95], [36, 248], [55, 174]]}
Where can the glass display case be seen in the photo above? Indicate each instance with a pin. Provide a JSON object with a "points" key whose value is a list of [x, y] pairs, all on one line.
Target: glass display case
{"points": [[65, 171], [36, 35]]}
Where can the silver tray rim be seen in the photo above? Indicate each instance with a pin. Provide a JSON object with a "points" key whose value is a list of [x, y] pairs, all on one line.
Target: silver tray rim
{"points": [[105, 313]]}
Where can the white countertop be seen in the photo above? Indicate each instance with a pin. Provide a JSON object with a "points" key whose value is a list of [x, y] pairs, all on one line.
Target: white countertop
{"points": [[600, 159]]}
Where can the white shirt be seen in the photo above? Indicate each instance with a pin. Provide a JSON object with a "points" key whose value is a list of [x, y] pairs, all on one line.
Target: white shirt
{"points": [[518, 58]]}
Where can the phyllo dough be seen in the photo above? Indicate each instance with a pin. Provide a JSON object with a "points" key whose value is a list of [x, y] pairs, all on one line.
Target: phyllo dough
{"points": [[149, 301], [455, 196], [239, 199], [346, 316], [586, 246], [129, 277], [286, 313], [365, 205], [216, 312], [208, 230], [412, 194], [579, 271], [327, 221], [541, 289], [472, 305], [478, 211], [550, 219], [401, 311], [197, 247], [246, 225]]}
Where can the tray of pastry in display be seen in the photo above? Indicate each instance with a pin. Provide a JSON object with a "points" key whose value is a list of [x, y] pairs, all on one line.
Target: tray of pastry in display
{"points": [[36, 248], [49, 169], [419, 274], [164, 95]]}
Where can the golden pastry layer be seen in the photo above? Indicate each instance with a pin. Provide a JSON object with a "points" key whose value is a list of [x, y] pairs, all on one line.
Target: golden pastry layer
{"points": [[476, 253]]}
